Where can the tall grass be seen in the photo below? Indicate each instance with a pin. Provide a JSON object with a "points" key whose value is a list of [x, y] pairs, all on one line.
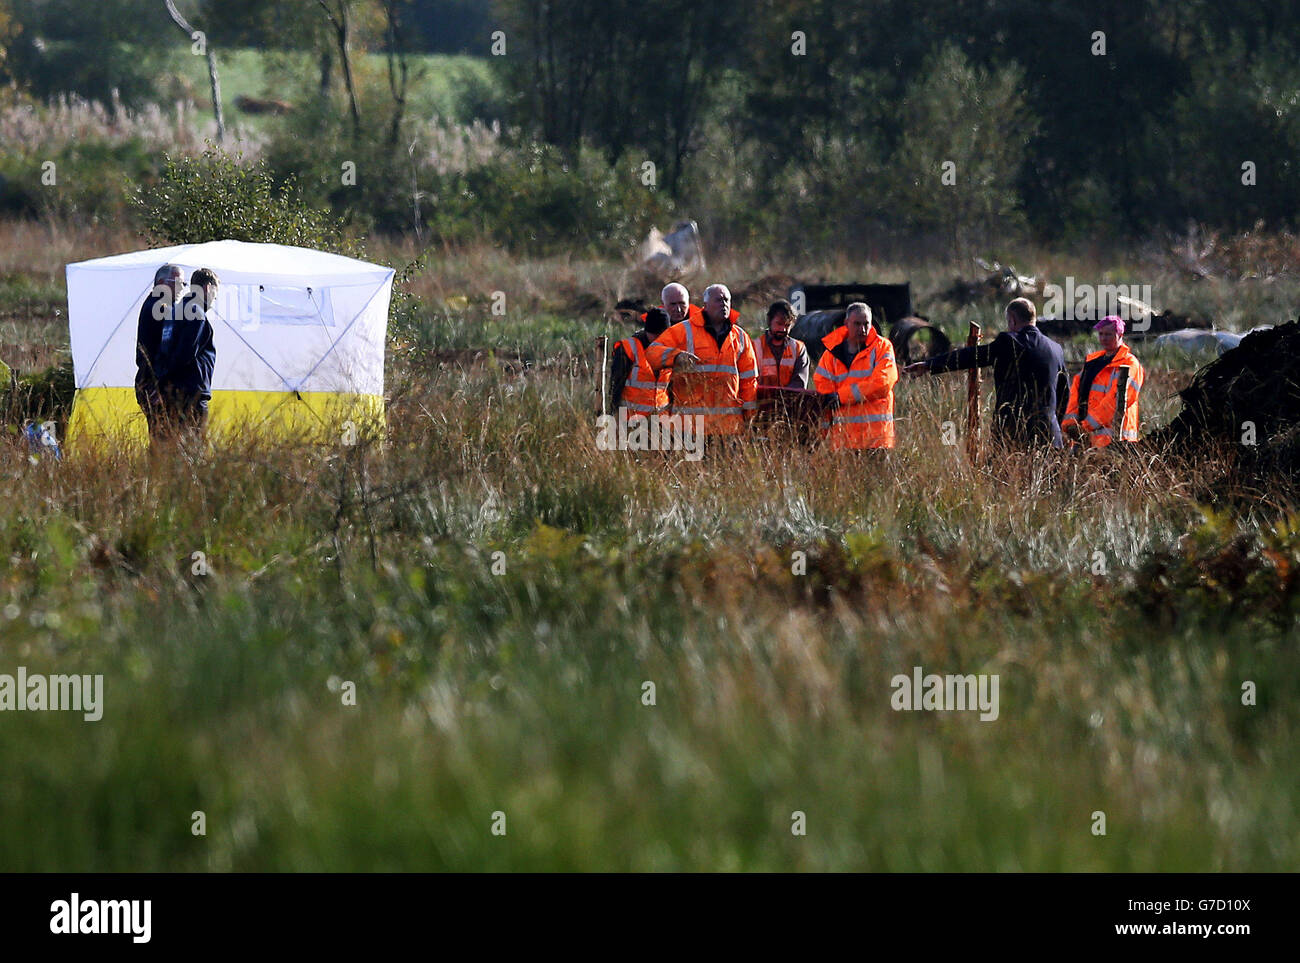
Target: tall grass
{"points": [[520, 691], [499, 592], [178, 128]]}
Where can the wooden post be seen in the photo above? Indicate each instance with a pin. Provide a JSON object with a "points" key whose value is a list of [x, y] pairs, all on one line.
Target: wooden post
{"points": [[602, 343], [973, 399]]}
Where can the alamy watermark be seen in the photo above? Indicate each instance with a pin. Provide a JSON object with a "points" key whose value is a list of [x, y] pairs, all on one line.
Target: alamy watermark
{"points": [[74, 916], [655, 433], [56, 693], [945, 693], [246, 305], [1092, 302]]}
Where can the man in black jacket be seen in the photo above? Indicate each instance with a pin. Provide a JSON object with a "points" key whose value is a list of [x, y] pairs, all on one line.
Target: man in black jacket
{"points": [[175, 356], [1028, 377], [162, 303]]}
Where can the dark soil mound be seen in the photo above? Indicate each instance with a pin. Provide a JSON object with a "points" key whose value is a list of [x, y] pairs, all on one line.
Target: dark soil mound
{"points": [[1247, 401]]}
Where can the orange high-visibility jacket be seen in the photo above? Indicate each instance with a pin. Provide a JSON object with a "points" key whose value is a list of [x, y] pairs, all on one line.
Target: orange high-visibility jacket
{"points": [[644, 392], [773, 370], [723, 387], [1102, 398], [865, 417]]}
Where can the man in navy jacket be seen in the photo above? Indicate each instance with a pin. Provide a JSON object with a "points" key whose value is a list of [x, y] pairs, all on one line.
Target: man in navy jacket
{"points": [[1028, 377], [175, 356]]}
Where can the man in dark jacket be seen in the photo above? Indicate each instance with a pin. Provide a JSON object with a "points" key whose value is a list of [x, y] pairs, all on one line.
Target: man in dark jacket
{"points": [[1028, 377], [175, 356], [163, 302]]}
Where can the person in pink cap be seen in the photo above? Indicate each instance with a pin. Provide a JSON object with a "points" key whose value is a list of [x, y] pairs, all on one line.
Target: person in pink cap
{"points": [[1096, 413]]}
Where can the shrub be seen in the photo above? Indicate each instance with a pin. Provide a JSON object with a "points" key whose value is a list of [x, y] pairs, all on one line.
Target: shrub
{"points": [[461, 183], [311, 151], [213, 197], [532, 198], [44, 395], [89, 68]]}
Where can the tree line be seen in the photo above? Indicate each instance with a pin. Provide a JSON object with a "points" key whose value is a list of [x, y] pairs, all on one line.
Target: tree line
{"points": [[804, 122]]}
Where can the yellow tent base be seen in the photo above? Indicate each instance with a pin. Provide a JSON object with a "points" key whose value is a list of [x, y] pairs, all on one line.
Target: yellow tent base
{"points": [[110, 417]]}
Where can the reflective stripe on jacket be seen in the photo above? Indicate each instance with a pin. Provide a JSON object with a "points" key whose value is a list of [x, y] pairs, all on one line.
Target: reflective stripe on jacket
{"points": [[1099, 419], [774, 370], [644, 392], [723, 386], [865, 417]]}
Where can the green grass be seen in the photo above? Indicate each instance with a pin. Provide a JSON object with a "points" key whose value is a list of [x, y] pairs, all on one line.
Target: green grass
{"points": [[519, 690], [453, 87]]}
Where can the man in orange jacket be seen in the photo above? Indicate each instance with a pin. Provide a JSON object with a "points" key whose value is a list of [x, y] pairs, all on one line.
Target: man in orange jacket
{"points": [[677, 302], [782, 360], [1094, 393], [714, 371], [858, 371], [633, 385]]}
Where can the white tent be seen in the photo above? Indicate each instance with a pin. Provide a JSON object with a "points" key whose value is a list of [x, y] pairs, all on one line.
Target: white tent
{"points": [[299, 336]]}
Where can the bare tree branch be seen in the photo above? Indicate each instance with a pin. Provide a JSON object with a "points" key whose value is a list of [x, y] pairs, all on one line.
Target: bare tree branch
{"points": [[213, 79], [342, 30]]}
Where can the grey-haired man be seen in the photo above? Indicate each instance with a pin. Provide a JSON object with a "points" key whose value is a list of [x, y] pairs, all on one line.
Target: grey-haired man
{"points": [[173, 353]]}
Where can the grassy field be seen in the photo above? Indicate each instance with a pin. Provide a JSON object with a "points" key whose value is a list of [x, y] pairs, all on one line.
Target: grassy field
{"points": [[452, 87], [769, 594]]}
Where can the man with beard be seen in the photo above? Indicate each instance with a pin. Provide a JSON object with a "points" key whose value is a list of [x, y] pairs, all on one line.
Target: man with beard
{"points": [[784, 398], [782, 360]]}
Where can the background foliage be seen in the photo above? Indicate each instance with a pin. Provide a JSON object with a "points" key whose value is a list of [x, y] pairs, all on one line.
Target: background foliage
{"points": [[834, 118]]}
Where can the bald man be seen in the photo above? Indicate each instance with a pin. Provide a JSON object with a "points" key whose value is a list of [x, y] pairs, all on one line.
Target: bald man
{"points": [[1028, 377], [714, 368]]}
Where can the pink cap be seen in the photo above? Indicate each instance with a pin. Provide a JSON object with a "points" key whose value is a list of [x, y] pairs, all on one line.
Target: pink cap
{"points": [[1109, 320]]}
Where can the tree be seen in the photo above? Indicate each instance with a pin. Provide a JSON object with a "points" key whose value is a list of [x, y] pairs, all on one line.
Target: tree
{"points": [[89, 49], [213, 79], [395, 50], [1239, 134], [8, 35], [964, 140], [451, 26], [339, 15], [619, 74], [275, 25]]}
